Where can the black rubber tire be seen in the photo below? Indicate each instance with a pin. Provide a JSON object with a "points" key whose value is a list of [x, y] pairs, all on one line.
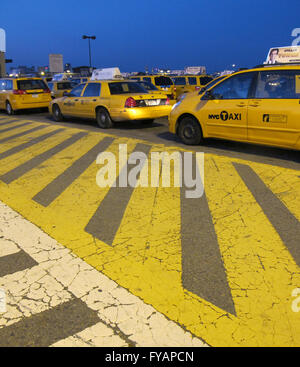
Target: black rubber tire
{"points": [[189, 131], [147, 122], [9, 109], [103, 119], [56, 113]]}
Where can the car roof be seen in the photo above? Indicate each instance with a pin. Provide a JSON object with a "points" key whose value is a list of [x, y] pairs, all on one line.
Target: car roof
{"points": [[265, 67]]}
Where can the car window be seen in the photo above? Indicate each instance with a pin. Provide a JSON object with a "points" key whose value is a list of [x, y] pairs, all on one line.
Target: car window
{"points": [[235, 87], [29, 84], [64, 85], [92, 90], [75, 81], [280, 84], [148, 86], [163, 81], [205, 79], [126, 87], [147, 79], [6, 85], [192, 80], [76, 92], [179, 81], [2, 84]]}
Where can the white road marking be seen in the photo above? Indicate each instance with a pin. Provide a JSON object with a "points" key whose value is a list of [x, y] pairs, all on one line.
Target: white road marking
{"points": [[60, 275]]}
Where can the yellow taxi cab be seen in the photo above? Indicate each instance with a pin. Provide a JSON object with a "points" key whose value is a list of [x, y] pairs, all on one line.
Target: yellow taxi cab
{"points": [[151, 88], [58, 88], [190, 83], [111, 100], [259, 105], [163, 82], [23, 93]]}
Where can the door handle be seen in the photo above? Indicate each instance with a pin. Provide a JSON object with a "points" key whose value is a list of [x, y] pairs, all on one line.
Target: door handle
{"points": [[76, 100], [241, 105], [254, 105]]}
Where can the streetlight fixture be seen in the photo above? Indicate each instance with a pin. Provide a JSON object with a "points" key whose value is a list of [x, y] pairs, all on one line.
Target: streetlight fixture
{"points": [[89, 38]]}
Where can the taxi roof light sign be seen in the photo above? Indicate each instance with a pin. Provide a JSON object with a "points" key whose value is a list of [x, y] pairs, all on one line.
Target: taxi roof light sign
{"points": [[283, 55], [106, 73], [2, 40]]}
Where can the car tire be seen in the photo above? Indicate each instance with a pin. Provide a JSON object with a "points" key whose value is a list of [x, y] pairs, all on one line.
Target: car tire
{"points": [[9, 109], [103, 119], [190, 131], [147, 122], [56, 113]]}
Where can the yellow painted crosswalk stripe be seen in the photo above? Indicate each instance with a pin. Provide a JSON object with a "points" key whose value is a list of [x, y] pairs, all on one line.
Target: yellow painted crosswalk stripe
{"points": [[24, 155], [284, 183], [15, 142], [146, 254], [258, 264]]}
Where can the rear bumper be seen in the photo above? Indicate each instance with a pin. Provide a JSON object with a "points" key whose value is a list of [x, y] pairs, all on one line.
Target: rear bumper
{"points": [[141, 113], [19, 105]]}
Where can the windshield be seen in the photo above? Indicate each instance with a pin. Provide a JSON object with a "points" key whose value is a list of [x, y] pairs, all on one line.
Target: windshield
{"points": [[64, 85], [163, 81], [211, 84], [126, 87], [29, 84]]}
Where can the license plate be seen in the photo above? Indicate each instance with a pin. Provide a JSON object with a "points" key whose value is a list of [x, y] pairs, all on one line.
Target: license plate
{"points": [[35, 95], [152, 102]]}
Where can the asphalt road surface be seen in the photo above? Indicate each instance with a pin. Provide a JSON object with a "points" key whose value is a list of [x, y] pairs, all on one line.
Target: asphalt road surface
{"points": [[223, 266]]}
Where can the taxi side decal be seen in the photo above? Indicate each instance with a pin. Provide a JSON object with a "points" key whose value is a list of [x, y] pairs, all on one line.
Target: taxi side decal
{"points": [[274, 118], [224, 116]]}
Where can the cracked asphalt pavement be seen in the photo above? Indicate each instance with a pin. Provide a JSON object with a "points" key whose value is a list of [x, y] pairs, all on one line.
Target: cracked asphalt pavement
{"points": [[87, 266]]}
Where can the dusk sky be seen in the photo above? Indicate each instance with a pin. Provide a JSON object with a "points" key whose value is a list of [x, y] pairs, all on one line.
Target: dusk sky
{"points": [[133, 34]]}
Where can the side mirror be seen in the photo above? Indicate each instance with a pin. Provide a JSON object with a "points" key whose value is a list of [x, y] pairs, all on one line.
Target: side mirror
{"points": [[66, 94]]}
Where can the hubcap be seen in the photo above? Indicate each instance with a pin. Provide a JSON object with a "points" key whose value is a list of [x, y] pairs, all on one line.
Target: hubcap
{"points": [[189, 132]]}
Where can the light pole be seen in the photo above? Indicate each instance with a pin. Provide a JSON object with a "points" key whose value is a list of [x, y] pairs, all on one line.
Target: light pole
{"points": [[89, 38]]}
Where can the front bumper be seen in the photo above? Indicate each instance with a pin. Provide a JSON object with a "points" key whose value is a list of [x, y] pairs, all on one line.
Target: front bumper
{"points": [[141, 113]]}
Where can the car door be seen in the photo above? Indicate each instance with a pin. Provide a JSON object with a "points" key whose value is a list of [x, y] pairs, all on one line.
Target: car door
{"points": [[225, 108], [274, 112], [88, 100], [71, 105]]}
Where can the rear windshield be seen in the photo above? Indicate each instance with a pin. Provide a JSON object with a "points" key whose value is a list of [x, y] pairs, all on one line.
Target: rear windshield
{"points": [[29, 84], [148, 86], [163, 80], [126, 87], [64, 85], [179, 81]]}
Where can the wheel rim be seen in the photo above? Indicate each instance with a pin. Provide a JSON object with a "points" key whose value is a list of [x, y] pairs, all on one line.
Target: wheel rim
{"points": [[189, 131], [102, 119], [56, 111], [8, 108]]}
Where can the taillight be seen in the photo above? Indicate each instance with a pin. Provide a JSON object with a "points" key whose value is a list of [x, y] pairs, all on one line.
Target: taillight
{"points": [[130, 102], [47, 90], [168, 101], [197, 88], [174, 88], [19, 92]]}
